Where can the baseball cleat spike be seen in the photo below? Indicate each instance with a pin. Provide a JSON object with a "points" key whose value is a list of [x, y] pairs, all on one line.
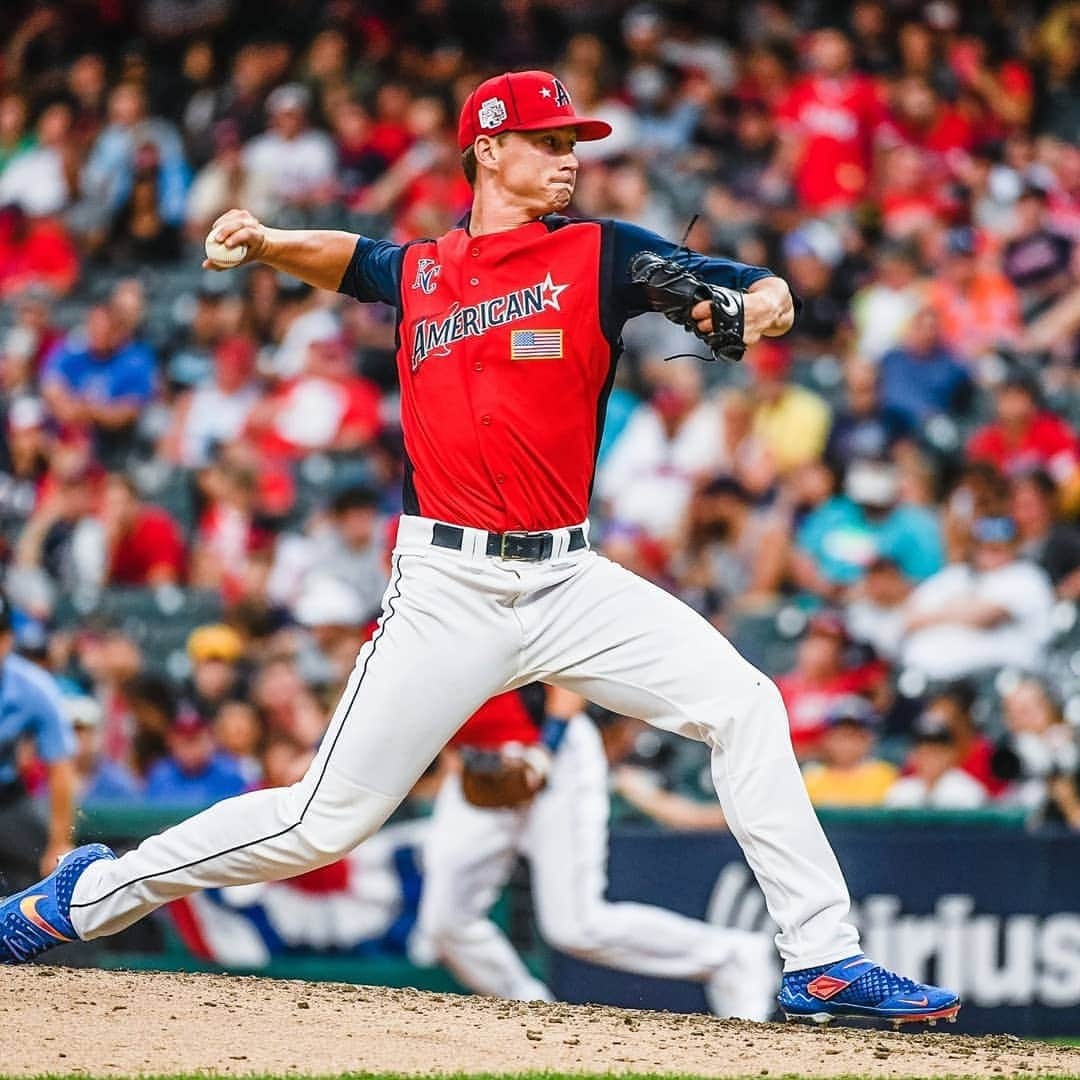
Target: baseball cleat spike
{"points": [[821, 1019]]}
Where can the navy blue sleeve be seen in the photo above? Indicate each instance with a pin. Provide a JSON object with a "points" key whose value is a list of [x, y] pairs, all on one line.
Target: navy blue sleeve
{"points": [[374, 272], [630, 239]]}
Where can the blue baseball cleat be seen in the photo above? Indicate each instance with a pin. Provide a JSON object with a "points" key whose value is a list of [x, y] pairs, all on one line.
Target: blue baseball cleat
{"points": [[38, 918], [859, 989]]}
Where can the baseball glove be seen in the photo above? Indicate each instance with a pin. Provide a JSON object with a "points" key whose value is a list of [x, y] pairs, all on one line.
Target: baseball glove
{"points": [[673, 291], [503, 779]]}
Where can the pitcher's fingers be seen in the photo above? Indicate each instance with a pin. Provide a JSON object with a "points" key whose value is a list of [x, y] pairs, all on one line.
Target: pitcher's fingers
{"points": [[230, 222]]}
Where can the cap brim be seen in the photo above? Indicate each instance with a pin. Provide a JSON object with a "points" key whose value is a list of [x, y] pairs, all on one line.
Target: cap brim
{"points": [[587, 130]]}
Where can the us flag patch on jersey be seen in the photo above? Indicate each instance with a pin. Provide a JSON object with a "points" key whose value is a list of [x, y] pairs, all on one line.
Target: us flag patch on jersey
{"points": [[536, 345]]}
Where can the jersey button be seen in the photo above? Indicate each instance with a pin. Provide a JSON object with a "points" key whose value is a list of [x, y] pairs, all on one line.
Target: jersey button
{"points": [[478, 366], [500, 478], [485, 420], [474, 281], [475, 252]]}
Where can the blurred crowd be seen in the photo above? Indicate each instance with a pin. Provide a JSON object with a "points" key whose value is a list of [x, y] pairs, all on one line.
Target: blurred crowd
{"points": [[201, 472]]}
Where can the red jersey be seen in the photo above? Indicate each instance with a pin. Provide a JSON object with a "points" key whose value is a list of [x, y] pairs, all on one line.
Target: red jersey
{"points": [[314, 412], [1048, 443], [506, 353], [808, 703], [835, 120], [503, 719]]}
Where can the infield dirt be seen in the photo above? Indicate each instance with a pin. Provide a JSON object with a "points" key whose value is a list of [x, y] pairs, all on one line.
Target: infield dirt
{"points": [[108, 1023]]}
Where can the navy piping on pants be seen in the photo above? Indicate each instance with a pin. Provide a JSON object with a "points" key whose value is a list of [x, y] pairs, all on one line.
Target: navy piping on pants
{"points": [[296, 824]]}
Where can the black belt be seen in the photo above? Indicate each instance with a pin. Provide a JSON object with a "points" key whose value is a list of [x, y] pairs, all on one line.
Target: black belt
{"points": [[529, 546]]}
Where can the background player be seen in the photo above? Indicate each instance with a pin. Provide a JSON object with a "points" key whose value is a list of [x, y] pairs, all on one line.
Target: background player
{"points": [[32, 709], [509, 330], [469, 853]]}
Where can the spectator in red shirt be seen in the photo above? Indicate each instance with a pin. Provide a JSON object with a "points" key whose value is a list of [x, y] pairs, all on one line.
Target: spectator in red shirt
{"points": [[950, 709], [910, 200], [389, 135], [145, 545], [328, 407], [425, 187], [923, 120], [34, 251], [227, 533], [830, 118], [1025, 436], [820, 678], [998, 85]]}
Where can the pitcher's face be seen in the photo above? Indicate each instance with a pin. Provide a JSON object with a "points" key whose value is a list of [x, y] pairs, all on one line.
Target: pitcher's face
{"points": [[538, 168]]}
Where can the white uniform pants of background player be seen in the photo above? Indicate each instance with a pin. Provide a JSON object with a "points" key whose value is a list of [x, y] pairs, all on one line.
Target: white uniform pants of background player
{"points": [[469, 854], [456, 629]]}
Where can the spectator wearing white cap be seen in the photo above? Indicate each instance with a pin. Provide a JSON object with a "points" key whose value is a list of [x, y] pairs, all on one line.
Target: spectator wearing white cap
{"points": [[24, 457], [991, 612], [335, 615], [98, 779], [298, 161], [838, 541]]}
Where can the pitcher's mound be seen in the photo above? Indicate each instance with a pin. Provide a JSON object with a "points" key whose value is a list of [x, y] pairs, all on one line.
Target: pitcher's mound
{"points": [[109, 1023]]}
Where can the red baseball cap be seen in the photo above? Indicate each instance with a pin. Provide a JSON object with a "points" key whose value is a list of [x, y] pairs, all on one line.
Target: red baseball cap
{"points": [[523, 101]]}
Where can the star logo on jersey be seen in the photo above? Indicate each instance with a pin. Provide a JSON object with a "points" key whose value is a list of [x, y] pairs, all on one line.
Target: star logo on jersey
{"points": [[433, 337], [550, 293], [427, 270]]}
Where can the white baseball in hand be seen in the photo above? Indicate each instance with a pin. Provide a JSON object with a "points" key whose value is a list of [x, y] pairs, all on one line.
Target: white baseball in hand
{"points": [[220, 255]]}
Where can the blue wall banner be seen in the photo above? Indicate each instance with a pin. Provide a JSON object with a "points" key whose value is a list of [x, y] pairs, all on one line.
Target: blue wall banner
{"points": [[993, 913]]}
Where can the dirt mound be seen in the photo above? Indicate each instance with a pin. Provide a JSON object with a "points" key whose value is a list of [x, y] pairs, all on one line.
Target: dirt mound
{"points": [[59, 1020]]}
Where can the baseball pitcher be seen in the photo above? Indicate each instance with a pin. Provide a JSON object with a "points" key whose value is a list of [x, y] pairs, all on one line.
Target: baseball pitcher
{"points": [[508, 334]]}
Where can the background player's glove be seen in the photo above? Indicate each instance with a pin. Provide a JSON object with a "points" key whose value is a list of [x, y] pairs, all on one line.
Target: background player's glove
{"points": [[502, 779], [673, 291]]}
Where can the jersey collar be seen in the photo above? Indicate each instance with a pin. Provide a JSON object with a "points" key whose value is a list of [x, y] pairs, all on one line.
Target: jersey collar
{"points": [[466, 218]]}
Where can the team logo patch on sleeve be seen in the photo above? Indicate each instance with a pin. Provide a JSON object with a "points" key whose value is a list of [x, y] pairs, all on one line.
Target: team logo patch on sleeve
{"points": [[536, 345]]}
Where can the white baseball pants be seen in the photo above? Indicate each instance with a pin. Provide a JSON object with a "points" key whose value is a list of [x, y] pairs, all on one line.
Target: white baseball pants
{"points": [[469, 854], [458, 627]]}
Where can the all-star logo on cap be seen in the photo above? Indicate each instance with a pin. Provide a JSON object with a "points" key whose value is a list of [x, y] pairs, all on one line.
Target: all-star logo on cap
{"points": [[491, 113], [523, 101]]}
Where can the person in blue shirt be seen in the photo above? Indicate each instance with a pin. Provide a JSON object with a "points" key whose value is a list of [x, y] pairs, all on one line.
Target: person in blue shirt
{"points": [[31, 710], [921, 378], [95, 379], [846, 533], [99, 779], [195, 773], [864, 427]]}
